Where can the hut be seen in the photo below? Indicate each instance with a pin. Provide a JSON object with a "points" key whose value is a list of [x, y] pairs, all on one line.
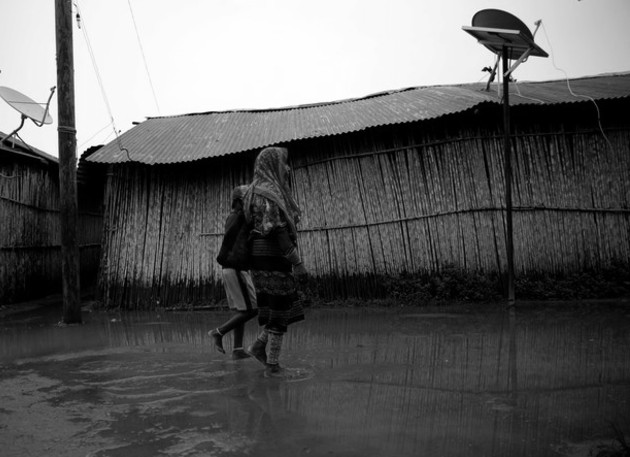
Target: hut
{"points": [[30, 238], [394, 186]]}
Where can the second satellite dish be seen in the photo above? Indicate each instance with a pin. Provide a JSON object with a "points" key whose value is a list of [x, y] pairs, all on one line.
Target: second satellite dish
{"points": [[499, 30], [498, 19]]}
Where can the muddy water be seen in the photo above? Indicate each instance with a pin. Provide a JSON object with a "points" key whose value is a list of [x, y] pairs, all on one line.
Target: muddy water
{"points": [[379, 382]]}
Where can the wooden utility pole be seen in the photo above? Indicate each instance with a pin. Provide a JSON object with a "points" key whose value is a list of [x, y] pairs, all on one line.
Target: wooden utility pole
{"points": [[508, 177], [67, 163]]}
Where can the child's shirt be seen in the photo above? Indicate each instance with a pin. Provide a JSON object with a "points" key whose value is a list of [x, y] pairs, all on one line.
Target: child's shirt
{"points": [[234, 251]]}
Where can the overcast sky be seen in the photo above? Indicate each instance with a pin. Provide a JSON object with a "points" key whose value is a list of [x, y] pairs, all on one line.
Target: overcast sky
{"points": [[215, 55]]}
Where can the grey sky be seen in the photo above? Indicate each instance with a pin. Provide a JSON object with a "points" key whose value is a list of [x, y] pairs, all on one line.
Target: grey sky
{"points": [[207, 55]]}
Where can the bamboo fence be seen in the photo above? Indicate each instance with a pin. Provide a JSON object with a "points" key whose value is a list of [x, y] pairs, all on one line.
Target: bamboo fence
{"points": [[380, 203], [30, 238], [163, 229]]}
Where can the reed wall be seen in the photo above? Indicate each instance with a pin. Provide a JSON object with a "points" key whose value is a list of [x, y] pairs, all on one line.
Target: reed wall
{"points": [[386, 202], [30, 238]]}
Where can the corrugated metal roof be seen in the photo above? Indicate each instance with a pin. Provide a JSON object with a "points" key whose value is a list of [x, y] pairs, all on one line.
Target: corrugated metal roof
{"points": [[16, 146], [190, 137]]}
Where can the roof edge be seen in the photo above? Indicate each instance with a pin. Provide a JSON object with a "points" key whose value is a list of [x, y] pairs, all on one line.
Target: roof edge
{"points": [[370, 96]]}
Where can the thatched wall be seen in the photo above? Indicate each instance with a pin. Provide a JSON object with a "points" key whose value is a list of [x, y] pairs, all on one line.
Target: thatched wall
{"points": [[387, 201], [30, 239]]}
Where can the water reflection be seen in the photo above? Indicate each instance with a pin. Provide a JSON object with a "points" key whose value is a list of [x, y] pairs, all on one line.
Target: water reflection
{"points": [[387, 382], [513, 384]]}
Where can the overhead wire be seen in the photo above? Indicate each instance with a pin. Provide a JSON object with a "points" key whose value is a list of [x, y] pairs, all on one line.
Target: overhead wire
{"points": [[518, 90], [144, 59], [553, 62], [94, 136], [83, 27], [109, 136]]}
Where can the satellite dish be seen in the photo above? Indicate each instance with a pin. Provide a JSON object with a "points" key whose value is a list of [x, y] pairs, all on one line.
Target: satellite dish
{"points": [[496, 29], [498, 19], [26, 106]]}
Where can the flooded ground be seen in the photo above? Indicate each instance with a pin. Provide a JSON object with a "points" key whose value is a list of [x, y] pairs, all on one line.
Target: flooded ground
{"points": [[474, 381]]}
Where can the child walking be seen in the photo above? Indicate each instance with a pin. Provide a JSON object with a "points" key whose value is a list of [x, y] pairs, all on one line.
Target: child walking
{"points": [[239, 287]]}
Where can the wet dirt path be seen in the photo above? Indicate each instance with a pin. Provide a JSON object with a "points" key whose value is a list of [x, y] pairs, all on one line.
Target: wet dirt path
{"points": [[543, 381]]}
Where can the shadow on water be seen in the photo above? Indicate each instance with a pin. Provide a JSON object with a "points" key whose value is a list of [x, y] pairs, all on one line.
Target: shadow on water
{"points": [[404, 382]]}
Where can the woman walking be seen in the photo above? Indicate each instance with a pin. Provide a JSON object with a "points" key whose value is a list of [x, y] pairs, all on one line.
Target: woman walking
{"points": [[274, 259]]}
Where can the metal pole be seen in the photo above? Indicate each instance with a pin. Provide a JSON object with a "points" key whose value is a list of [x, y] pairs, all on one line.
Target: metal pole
{"points": [[67, 163], [508, 177]]}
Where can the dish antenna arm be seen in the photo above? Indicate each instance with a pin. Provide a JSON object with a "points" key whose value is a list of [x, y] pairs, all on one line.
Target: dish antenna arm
{"points": [[40, 123], [519, 61], [16, 130], [493, 73]]}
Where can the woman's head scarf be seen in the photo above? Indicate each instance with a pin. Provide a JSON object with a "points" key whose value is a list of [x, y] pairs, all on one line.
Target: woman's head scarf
{"points": [[271, 181]]}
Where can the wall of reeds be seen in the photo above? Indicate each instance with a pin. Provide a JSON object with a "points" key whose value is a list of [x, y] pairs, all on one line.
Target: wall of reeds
{"points": [[385, 202], [30, 238], [163, 227]]}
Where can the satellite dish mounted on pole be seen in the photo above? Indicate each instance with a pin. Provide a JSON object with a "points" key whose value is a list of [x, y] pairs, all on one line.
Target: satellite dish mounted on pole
{"points": [[28, 108], [510, 39]]}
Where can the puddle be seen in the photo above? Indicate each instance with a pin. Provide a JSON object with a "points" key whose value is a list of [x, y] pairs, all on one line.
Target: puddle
{"points": [[536, 382]]}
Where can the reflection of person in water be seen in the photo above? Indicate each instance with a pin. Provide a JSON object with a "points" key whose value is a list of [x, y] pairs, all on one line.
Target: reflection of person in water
{"points": [[239, 288], [274, 259], [277, 425], [256, 411]]}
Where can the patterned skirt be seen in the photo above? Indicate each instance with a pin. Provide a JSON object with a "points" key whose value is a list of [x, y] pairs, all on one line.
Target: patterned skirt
{"points": [[275, 286], [276, 297]]}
